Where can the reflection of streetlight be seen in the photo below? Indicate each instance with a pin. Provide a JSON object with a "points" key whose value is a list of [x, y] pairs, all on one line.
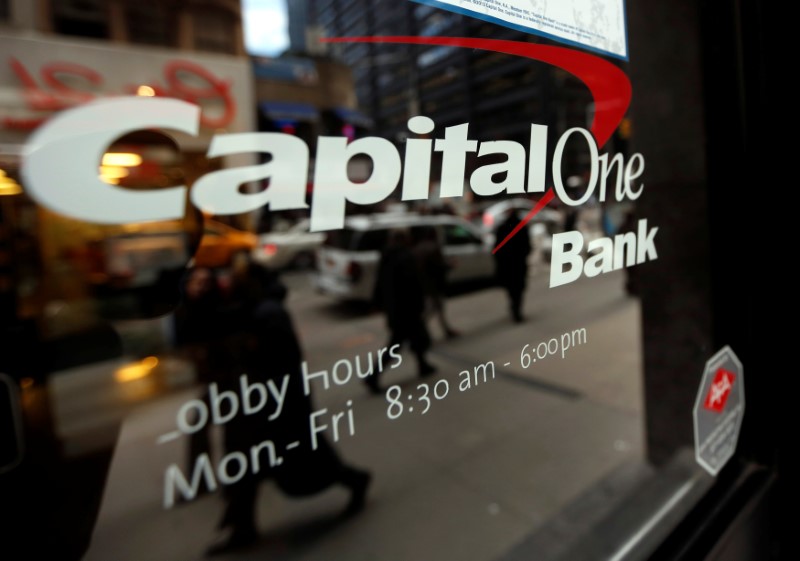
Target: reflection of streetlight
{"points": [[125, 159], [8, 186], [114, 165], [112, 174], [136, 370]]}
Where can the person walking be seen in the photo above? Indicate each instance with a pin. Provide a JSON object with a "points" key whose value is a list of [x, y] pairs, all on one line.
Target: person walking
{"points": [[433, 270], [399, 292], [511, 262], [271, 352]]}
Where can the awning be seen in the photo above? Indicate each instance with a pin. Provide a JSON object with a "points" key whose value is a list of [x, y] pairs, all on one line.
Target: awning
{"points": [[289, 111], [353, 117]]}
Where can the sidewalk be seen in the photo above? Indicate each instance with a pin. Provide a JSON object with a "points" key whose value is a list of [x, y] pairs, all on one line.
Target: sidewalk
{"points": [[468, 480]]}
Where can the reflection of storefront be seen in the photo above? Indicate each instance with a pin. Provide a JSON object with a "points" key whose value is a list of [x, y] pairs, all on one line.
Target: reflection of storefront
{"points": [[311, 95], [307, 97], [43, 77]]}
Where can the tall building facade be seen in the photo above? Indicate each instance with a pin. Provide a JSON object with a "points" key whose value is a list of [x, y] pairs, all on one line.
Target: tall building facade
{"points": [[499, 95], [297, 11], [210, 26], [62, 54]]}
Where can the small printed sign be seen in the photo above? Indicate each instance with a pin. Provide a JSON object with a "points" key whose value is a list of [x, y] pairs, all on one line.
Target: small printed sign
{"points": [[719, 391], [718, 411], [598, 25]]}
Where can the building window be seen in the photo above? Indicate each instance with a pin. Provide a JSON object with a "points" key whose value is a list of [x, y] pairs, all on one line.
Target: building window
{"points": [[150, 23], [214, 31], [84, 18]]}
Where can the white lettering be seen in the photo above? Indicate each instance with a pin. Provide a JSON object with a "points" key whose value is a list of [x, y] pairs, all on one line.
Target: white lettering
{"points": [[632, 173], [217, 400], [187, 423], [278, 395], [308, 376], [218, 192], [174, 479], [561, 257], [645, 251], [454, 147], [624, 250], [482, 180], [333, 188], [537, 165], [60, 168], [67, 150], [417, 175], [557, 157]]}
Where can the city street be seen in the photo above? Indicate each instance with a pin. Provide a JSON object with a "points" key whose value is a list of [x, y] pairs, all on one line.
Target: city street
{"points": [[481, 469]]}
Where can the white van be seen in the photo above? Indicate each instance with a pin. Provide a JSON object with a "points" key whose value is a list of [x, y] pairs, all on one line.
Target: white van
{"points": [[347, 262]]}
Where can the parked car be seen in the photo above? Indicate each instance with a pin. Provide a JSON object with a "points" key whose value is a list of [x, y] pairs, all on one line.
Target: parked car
{"points": [[295, 247], [137, 259], [137, 256], [347, 261]]}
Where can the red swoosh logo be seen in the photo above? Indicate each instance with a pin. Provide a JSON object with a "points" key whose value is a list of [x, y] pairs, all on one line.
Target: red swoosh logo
{"points": [[608, 84]]}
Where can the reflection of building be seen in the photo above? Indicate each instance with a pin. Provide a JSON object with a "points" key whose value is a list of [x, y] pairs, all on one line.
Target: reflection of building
{"points": [[497, 94], [298, 24], [61, 54], [307, 97], [209, 26]]}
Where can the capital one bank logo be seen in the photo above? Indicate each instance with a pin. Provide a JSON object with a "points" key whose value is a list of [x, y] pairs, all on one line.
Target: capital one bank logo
{"points": [[66, 151]]}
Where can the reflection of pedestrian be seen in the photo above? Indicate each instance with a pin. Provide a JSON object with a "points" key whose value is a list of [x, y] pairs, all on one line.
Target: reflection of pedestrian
{"points": [[197, 325], [272, 351], [199, 333], [433, 271], [511, 262], [400, 294], [632, 283], [570, 219]]}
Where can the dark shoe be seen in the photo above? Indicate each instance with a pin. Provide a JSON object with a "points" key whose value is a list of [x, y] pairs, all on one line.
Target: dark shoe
{"points": [[358, 488], [237, 539], [426, 369], [372, 383]]}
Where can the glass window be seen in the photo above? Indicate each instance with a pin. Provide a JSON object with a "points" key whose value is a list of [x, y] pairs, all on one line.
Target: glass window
{"points": [[453, 289]]}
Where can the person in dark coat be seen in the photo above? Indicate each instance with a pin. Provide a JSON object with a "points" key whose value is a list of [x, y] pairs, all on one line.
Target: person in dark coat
{"points": [[511, 262], [400, 293], [200, 330], [271, 351], [433, 269], [197, 322]]}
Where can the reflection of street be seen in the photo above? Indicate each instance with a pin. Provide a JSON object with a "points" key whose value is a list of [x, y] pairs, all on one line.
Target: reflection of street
{"points": [[467, 480]]}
